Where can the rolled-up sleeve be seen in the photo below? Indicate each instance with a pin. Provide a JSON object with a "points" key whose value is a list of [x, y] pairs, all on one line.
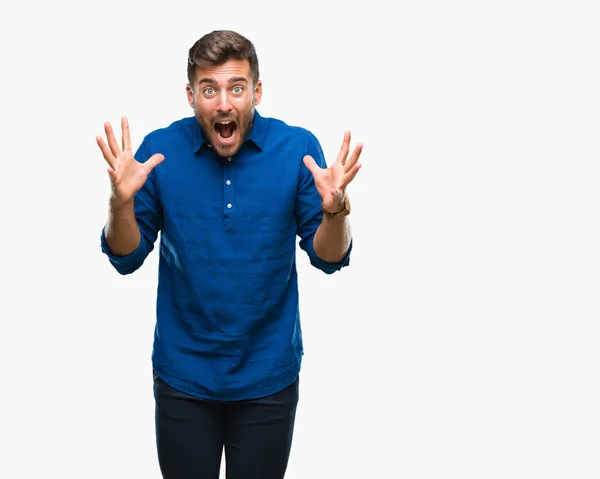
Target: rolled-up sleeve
{"points": [[148, 216], [308, 210]]}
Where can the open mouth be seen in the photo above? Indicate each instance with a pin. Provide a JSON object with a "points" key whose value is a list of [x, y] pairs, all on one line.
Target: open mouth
{"points": [[226, 130]]}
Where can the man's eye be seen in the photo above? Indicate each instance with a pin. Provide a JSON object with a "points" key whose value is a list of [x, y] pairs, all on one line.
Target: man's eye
{"points": [[209, 91], [237, 90]]}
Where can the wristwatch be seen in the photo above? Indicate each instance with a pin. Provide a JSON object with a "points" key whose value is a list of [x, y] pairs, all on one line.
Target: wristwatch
{"points": [[345, 211]]}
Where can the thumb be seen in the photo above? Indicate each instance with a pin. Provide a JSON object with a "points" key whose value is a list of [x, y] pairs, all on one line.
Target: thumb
{"points": [[154, 160], [311, 164]]}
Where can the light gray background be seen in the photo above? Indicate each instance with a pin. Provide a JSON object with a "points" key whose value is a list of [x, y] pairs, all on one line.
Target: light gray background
{"points": [[463, 339]]}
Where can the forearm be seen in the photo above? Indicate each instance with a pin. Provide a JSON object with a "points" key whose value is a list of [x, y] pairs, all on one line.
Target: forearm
{"points": [[332, 239], [122, 232]]}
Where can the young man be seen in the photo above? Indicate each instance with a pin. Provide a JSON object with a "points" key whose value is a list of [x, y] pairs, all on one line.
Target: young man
{"points": [[230, 191]]}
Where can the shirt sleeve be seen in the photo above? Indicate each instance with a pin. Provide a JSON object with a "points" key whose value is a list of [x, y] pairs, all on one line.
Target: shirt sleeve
{"points": [[149, 219], [308, 209]]}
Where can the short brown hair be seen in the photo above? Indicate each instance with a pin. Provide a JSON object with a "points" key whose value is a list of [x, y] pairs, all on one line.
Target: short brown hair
{"points": [[218, 47]]}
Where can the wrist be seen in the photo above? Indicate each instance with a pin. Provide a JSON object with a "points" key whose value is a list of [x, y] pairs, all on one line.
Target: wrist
{"points": [[343, 210], [116, 204]]}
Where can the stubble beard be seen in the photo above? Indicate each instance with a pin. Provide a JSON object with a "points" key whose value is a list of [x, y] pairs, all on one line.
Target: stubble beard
{"points": [[208, 132]]}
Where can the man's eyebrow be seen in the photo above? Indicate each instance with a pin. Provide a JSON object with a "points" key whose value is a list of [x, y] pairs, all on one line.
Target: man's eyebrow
{"points": [[211, 81], [238, 80]]}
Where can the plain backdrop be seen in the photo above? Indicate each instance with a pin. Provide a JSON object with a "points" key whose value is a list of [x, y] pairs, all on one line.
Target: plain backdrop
{"points": [[462, 342]]}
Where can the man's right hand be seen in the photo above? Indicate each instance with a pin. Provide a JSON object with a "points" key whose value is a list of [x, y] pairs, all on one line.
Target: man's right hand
{"points": [[126, 174]]}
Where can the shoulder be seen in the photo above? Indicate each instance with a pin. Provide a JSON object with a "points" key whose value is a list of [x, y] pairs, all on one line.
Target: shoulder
{"points": [[278, 131], [276, 125], [182, 129]]}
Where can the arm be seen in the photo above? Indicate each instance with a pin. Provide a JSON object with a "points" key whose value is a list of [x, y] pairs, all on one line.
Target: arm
{"points": [[133, 218], [333, 238], [121, 232]]}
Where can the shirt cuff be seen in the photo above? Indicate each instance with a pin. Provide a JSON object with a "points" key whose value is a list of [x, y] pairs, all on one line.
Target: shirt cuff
{"points": [[124, 264], [325, 266]]}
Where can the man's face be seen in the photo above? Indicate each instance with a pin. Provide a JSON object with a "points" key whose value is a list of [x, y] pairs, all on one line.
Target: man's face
{"points": [[223, 99]]}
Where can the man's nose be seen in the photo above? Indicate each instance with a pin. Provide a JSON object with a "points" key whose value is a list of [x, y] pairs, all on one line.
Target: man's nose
{"points": [[224, 105]]}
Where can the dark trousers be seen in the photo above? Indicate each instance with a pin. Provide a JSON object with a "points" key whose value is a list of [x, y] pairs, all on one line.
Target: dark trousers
{"points": [[192, 432]]}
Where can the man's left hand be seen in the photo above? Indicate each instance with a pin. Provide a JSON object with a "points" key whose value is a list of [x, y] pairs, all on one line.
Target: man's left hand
{"points": [[331, 182]]}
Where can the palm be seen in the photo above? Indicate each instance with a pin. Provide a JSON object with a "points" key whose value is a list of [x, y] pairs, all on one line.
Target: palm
{"points": [[331, 182], [126, 173], [328, 179], [130, 176]]}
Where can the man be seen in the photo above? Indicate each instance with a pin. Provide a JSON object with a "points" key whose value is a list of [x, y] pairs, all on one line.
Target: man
{"points": [[229, 191]]}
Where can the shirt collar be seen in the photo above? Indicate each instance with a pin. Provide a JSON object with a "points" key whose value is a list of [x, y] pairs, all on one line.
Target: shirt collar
{"points": [[258, 133]]}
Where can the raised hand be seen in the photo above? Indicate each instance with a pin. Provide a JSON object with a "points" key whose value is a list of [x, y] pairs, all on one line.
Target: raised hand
{"points": [[126, 174], [331, 182]]}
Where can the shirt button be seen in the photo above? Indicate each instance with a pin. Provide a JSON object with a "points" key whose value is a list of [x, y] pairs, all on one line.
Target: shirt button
{"points": [[229, 158], [228, 182], [229, 205]]}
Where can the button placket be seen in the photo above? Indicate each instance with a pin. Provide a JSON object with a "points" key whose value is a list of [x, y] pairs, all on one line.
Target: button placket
{"points": [[228, 194]]}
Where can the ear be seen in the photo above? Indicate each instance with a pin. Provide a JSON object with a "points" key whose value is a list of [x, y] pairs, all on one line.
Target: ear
{"points": [[257, 92], [190, 95]]}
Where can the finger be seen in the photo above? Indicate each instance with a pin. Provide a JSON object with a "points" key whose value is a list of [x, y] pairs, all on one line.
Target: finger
{"points": [[126, 140], [112, 140], [108, 156], [345, 148], [311, 164], [353, 158], [153, 161], [112, 174], [348, 177]]}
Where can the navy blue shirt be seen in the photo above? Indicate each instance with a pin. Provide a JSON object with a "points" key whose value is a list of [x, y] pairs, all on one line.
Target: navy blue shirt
{"points": [[228, 322]]}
